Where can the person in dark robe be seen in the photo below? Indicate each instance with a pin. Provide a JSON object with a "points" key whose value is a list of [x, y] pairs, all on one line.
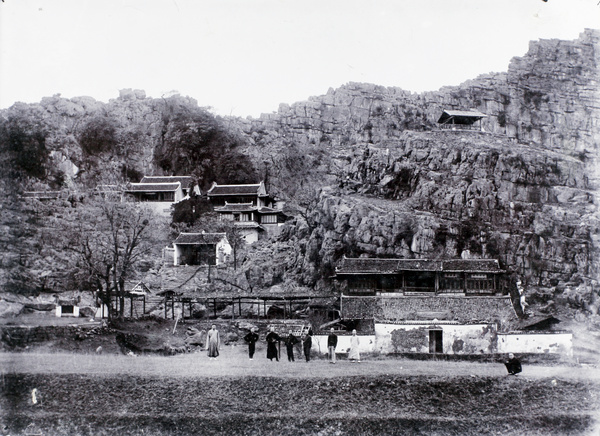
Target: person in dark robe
{"points": [[332, 341], [251, 338], [513, 365], [290, 341], [272, 341], [307, 345]]}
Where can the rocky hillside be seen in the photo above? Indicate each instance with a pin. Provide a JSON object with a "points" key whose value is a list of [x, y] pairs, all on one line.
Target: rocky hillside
{"points": [[524, 190], [364, 170]]}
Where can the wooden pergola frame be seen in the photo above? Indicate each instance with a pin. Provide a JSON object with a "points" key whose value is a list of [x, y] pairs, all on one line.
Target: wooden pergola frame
{"points": [[173, 298]]}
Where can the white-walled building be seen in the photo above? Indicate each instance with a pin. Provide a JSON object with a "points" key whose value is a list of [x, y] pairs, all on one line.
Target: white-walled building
{"points": [[201, 249]]}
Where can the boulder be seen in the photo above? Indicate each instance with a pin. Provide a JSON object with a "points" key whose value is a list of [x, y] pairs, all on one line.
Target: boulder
{"points": [[87, 312], [230, 338], [245, 325], [42, 307], [9, 309], [195, 337]]}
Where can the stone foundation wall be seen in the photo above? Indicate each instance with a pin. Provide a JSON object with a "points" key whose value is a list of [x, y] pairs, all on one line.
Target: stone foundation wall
{"points": [[461, 309]]}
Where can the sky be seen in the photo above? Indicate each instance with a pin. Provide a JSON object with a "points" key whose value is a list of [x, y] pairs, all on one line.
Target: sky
{"points": [[245, 57]]}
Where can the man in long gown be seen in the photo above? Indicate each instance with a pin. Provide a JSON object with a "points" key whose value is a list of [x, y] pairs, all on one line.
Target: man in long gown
{"points": [[213, 341], [332, 341], [307, 345], [290, 341], [272, 341], [251, 338], [353, 354]]}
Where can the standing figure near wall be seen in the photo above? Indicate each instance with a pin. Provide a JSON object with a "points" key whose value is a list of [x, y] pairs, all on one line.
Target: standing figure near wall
{"points": [[290, 341], [307, 345], [332, 340], [353, 353], [251, 338], [272, 341]]}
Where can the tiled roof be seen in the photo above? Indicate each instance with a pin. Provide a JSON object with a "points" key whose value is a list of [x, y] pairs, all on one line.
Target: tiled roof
{"points": [[248, 225], [236, 207], [152, 187], [419, 265], [184, 180], [269, 210], [234, 190], [367, 265], [199, 238], [465, 116], [472, 265], [390, 266]]}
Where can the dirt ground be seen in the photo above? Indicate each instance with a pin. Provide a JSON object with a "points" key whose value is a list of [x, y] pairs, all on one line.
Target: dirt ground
{"points": [[85, 394], [80, 392], [233, 362]]}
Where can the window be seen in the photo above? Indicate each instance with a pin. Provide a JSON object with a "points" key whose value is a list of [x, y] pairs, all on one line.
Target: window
{"points": [[269, 219], [362, 283], [479, 276]]}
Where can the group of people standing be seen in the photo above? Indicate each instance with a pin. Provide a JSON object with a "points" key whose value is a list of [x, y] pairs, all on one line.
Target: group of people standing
{"points": [[213, 342], [273, 339], [290, 340]]}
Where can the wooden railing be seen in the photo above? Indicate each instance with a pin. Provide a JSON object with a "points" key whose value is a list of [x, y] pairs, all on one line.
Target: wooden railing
{"points": [[459, 126]]}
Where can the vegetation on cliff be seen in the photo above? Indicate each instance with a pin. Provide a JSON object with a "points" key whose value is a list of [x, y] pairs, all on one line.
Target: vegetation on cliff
{"points": [[362, 171]]}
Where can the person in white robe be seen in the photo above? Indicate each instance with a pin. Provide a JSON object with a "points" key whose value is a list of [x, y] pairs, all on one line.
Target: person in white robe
{"points": [[353, 354]]}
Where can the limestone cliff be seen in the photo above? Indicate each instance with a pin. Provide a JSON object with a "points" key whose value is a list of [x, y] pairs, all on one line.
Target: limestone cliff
{"points": [[524, 190]]}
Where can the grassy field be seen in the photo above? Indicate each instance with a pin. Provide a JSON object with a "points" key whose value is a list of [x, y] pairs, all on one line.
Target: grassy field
{"points": [[190, 394]]}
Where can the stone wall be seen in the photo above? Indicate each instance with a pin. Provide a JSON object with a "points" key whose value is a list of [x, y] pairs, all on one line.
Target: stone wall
{"points": [[456, 339], [460, 309], [533, 342], [22, 336]]}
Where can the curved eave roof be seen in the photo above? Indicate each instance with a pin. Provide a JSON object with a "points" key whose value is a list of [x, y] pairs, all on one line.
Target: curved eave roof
{"points": [[350, 266], [152, 187], [236, 207], [463, 117], [199, 238]]}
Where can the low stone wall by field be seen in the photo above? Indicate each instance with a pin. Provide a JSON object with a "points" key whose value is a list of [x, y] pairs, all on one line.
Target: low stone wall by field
{"points": [[12, 337]]}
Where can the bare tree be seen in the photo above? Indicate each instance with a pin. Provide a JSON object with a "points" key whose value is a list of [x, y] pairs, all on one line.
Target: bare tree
{"points": [[110, 238]]}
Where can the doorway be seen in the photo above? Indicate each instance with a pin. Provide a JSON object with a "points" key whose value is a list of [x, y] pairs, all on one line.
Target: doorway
{"points": [[435, 341]]}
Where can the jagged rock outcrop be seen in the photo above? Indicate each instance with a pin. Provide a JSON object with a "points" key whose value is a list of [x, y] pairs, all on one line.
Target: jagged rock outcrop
{"points": [[524, 190], [365, 171]]}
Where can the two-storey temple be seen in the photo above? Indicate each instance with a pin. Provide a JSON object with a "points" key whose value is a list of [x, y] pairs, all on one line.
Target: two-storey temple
{"points": [[252, 210], [453, 306]]}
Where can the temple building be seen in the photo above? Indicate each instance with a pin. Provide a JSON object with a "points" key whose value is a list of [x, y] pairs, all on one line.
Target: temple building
{"points": [[252, 210], [461, 120], [426, 306], [161, 192], [368, 276], [201, 249]]}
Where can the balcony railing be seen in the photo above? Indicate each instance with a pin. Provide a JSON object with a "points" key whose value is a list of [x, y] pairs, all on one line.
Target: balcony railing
{"points": [[420, 290], [459, 126]]}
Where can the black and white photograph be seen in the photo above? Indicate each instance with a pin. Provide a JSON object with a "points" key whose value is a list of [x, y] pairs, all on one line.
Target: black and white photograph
{"points": [[298, 218]]}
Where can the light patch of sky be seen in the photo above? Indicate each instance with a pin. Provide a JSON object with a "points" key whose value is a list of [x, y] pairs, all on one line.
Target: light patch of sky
{"points": [[244, 57]]}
